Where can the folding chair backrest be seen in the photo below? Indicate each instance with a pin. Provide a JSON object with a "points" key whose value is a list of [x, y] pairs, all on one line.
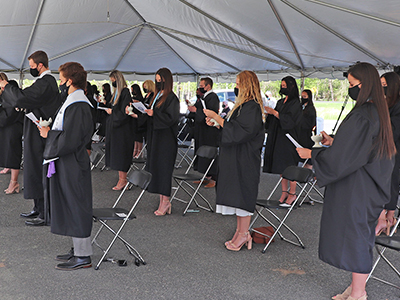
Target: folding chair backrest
{"points": [[207, 151], [140, 178], [293, 173]]}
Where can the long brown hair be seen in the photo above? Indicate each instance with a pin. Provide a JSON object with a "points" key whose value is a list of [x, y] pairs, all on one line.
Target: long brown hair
{"points": [[166, 86], [371, 89], [249, 90], [121, 84], [393, 88]]}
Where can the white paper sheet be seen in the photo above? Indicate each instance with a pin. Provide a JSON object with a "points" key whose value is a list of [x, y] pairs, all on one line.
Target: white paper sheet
{"points": [[293, 141], [33, 118], [140, 107]]}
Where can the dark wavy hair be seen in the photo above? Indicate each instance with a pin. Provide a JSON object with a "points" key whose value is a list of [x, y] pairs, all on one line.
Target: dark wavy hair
{"points": [[371, 90], [309, 93]]}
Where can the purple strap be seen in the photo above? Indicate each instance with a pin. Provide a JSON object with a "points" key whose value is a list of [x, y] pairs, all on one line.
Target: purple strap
{"points": [[51, 170]]}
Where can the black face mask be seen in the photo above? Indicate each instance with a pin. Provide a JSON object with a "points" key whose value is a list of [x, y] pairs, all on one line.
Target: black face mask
{"points": [[202, 90], [34, 72], [284, 91], [114, 84], [64, 89], [160, 85], [304, 100], [354, 91], [145, 91], [236, 91], [385, 90], [223, 106]]}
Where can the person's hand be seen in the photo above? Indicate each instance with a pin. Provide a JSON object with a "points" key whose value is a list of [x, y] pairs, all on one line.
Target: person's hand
{"points": [[210, 113], [109, 111], [271, 111], [3, 83], [44, 130], [149, 112], [209, 122], [326, 139], [134, 100], [192, 108], [127, 110], [304, 153]]}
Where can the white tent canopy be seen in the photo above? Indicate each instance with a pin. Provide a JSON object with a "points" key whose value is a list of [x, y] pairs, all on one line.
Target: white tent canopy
{"points": [[194, 38]]}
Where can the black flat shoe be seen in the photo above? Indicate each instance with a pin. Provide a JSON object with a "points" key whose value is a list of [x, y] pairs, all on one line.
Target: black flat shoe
{"points": [[31, 214], [35, 222], [66, 257], [75, 263]]}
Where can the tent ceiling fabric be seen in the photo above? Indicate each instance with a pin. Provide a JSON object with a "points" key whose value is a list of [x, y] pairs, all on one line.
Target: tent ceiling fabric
{"points": [[274, 38]]}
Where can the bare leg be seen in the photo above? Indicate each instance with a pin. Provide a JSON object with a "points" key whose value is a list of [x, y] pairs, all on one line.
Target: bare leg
{"points": [[358, 285], [139, 148], [243, 234], [381, 226], [284, 184], [13, 186], [292, 194], [164, 207], [122, 181]]}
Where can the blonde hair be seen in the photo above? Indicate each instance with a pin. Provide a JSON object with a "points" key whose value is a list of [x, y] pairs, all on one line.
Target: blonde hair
{"points": [[121, 84], [249, 90], [151, 87]]}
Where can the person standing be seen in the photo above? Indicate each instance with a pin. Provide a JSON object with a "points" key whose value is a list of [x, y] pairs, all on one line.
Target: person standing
{"points": [[280, 153], [11, 128], [204, 134], [68, 183], [42, 98], [162, 130], [356, 170], [119, 141], [242, 137]]}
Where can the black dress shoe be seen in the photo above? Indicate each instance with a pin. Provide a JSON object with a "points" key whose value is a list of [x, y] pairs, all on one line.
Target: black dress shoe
{"points": [[66, 257], [75, 263], [31, 214], [35, 222]]}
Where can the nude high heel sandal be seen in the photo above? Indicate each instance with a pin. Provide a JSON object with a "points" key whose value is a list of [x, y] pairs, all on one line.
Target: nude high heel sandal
{"points": [[14, 189], [359, 298], [344, 295], [167, 210], [248, 241]]}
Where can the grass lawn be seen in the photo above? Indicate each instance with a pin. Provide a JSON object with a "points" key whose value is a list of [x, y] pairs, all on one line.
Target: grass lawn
{"points": [[330, 110]]}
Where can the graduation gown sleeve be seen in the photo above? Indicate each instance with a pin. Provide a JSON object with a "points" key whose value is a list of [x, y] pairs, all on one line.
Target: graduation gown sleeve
{"points": [[119, 117], [168, 114]]}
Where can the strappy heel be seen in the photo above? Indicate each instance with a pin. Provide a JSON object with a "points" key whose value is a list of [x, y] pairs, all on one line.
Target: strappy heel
{"points": [[167, 210], [344, 295], [248, 242], [230, 241], [14, 189], [120, 185], [286, 204]]}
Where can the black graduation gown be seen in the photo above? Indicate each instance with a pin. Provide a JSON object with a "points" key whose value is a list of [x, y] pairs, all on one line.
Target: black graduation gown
{"points": [[357, 187], [119, 141], [242, 138], [11, 126], [70, 188], [308, 121], [280, 152], [43, 99], [143, 118], [102, 116], [162, 146], [204, 134], [395, 121]]}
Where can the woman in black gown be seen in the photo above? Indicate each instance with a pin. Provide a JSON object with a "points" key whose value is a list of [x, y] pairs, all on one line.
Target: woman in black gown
{"points": [[280, 152], [11, 127], [356, 170], [138, 135], [391, 85], [119, 140], [162, 129], [242, 136]]}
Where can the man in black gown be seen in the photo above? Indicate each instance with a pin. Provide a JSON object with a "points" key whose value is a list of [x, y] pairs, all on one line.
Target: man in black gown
{"points": [[204, 134], [42, 99]]}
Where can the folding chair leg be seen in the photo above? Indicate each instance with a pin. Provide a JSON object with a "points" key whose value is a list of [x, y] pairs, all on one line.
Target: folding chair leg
{"points": [[131, 250]]}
